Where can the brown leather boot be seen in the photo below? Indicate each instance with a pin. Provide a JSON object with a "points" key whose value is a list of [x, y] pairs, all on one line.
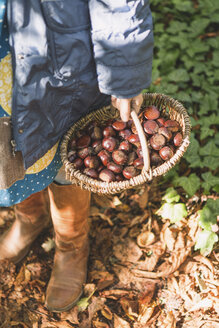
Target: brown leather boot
{"points": [[69, 210], [31, 217]]}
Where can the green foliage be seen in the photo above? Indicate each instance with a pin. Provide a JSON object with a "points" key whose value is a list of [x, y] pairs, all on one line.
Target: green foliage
{"points": [[208, 215], [186, 67], [171, 209], [83, 303], [206, 241], [190, 184]]}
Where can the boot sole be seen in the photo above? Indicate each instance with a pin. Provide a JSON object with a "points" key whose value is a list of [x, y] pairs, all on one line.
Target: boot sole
{"points": [[66, 308]]}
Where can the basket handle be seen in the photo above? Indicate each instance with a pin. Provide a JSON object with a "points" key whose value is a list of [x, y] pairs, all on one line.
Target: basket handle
{"points": [[143, 140]]}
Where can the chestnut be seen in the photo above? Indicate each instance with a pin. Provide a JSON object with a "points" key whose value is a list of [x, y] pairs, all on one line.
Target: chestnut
{"points": [[119, 157], [125, 133], [131, 158], [125, 145], [104, 156], [166, 153], [91, 162], [96, 133], [165, 132], [109, 132], [156, 160], [92, 173], [109, 143], [97, 146], [177, 140], [139, 163], [151, 127], [84, 152], [119, 125], [172, 125], [151, 113], [129, 172], [83, 141], [160, 121], [134, 139], [107, 175], [78, 163], [116, 168], [157, 141]]}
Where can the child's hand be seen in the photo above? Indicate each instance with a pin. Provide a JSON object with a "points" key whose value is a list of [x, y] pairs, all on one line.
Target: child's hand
{"points": [[125, 105]]}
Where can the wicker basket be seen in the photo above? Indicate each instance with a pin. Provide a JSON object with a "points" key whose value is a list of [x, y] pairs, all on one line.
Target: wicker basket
{"points": [[168, 107]]}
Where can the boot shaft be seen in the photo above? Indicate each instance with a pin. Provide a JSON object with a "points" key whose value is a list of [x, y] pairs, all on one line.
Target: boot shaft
{"points": [[69, 207], [34, 209]]}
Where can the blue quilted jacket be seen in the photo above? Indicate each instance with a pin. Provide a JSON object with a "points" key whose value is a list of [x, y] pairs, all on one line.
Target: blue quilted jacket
{"points": [[68, 57]]}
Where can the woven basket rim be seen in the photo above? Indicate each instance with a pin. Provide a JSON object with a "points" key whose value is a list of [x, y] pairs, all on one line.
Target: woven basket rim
{"points": [[76, 176]]}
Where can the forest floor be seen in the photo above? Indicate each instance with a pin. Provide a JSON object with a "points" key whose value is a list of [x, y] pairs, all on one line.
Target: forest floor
{"points": [[143, 271]]}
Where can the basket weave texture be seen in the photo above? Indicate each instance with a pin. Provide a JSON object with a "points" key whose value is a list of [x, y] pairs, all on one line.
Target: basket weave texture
{"points": [[168, 107]]}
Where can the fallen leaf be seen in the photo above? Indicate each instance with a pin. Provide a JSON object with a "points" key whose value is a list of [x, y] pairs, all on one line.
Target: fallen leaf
{"points": [[129, 307], [99, 324], [126, 250], [145, 238], [120, 323], [48, 245], [106, 312], [143, 199], [146, 296]]}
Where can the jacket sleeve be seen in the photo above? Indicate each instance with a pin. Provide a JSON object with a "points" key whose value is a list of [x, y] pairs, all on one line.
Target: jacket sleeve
{"points": [[122, 37]]}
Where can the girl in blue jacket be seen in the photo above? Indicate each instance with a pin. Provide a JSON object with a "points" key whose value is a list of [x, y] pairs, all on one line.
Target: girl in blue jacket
{"points": [[60, 60]]}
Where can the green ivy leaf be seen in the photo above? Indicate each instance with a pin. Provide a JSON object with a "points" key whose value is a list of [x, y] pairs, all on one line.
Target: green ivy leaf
{"points": [[216, 188], [173, 212], [206, 132], [213, 204], [210, 162], [210, 149], [179, 75], [190, 184], [205, 242], [206, 218], [209, 181], [198, 25], [171, 196]]}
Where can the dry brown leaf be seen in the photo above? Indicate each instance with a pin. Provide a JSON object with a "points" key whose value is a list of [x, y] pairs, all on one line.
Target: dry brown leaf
{"points": [[205, 261], [120, 323], [89, 289], [126, 250], [166, 320], [20, 276], [115, 293], [143, 199], [139, 219], [168, 237], [146, 296], [106, 312], [145, 313], [126, 278], [104, 283], [99, 324], [130, 307], [71, 315], [102, 201], [96, 305], [145, 238], [180, 241], [155, 251]]}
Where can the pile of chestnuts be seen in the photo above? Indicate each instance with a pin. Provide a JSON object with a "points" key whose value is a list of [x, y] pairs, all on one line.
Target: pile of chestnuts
{"points": [[113, 152]]}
